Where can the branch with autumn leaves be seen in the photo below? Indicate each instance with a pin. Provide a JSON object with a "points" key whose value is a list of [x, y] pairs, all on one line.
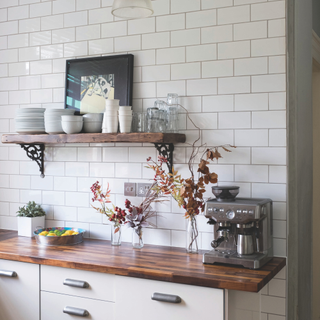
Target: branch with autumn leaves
{"points": [[187, 192]]}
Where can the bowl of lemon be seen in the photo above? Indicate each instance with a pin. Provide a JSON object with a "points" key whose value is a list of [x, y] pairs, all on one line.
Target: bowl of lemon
{"points": [[59, 236]]}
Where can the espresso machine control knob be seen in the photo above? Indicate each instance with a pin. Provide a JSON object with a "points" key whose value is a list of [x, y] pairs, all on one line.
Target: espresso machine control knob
{"points": [[230, 214]]}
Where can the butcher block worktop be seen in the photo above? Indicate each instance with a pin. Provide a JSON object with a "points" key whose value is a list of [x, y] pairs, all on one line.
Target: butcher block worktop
{"points": [[151, 262]]}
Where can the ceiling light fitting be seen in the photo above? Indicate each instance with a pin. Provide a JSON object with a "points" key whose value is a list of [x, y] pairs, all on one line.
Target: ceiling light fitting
{"points": [[132, 9]]}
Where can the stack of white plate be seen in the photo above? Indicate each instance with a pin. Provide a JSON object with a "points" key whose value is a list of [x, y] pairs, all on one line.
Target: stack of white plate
{"points": [[52, 119], [30, 120]]}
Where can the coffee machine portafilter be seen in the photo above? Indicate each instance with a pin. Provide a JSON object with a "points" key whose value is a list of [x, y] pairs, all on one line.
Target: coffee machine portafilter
{"points": [[242, 229]]}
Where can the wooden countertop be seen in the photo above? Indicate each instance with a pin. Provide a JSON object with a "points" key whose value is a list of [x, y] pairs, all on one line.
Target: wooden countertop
{"points": [[150, 262]]}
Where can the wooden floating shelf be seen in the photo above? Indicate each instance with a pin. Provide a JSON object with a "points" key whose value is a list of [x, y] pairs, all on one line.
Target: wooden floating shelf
{"points": [[162, 138]]}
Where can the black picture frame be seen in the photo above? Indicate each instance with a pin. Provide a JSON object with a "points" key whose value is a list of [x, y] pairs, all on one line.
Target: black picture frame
{"points": [[90, 80]]}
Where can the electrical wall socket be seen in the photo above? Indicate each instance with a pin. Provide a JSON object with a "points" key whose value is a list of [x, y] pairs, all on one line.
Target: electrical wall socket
{"points": [[129, 189], [143, 189]]}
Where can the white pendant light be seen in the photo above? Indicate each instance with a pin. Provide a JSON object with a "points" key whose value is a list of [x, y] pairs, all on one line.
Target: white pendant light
{"points": [[132, 9]]}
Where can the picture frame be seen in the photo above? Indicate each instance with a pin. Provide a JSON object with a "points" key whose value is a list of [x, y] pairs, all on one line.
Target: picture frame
{"points": [[90, 81]]}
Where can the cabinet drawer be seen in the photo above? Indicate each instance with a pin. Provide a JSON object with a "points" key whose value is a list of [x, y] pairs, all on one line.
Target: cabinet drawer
{"points": [[53, 304], [19, 290], [99, 285], [196, 302]]}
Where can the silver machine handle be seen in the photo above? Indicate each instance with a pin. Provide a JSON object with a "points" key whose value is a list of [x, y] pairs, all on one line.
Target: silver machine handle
{"points": [[76, 283], [76, 311], [166, 297], [6, 273]]}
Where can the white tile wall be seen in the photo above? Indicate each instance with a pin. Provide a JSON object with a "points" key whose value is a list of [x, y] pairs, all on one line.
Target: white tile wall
{"points": [[227, 61]]}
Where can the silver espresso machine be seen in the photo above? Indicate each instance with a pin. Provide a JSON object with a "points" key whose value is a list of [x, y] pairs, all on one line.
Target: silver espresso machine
{"points": [[242, 229]]}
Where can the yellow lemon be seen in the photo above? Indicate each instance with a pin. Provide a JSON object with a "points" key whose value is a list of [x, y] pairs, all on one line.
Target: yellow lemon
{"points": [[63, 235], [75, 233], [51, 235], [68, 232], [43, 233]]}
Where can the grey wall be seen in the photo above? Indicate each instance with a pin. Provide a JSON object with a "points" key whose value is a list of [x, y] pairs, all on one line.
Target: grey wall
{"points": [[316, 16]]}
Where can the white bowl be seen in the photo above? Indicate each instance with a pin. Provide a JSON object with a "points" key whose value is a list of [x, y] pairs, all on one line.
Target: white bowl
{"points": [[71, 126], [125, 112], [124, 108], [92, 126], [71, 118], [112, 102], [93, 117]]}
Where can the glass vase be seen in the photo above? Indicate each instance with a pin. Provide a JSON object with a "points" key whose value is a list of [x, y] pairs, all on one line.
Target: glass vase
{"points": [[137, 241], [192, 236], [116, 235]]}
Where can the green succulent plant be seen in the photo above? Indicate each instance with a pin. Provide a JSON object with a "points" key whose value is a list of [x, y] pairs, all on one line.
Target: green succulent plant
{"points": [[31, 210]]}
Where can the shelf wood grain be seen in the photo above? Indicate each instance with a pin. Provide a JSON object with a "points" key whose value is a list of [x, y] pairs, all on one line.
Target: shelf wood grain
{"points": [[94, 138], [151, 262]]}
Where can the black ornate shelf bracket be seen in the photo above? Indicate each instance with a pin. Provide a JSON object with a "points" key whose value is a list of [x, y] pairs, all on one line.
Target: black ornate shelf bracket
{"points": [[36, 153], [166, 150]]}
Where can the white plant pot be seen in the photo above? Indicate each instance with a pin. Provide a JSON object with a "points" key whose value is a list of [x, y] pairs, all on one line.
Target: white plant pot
{"points": [[27, 225]]}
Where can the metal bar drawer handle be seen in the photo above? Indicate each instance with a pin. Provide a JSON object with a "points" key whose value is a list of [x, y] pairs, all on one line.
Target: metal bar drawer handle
{"points": [[6, 273], [166, 297], [76, 311], [76, 283]]}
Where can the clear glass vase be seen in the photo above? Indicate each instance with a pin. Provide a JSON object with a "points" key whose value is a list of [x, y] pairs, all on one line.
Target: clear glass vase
{"points": [[116, 235], [137, 241], [192, 236]]}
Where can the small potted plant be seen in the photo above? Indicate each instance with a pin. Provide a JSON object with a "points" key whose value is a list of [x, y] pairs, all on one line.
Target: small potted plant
{"points": [[30, 217]]}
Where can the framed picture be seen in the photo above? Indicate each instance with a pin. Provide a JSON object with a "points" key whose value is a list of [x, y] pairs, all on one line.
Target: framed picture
{"points": [[90, 81]]}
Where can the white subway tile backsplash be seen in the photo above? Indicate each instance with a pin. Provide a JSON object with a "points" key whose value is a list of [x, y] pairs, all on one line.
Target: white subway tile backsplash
{"points": [[77, 169], [128, 43], [154, 40], [223, 68], [102, 170], [236, 120], [217, 34], [185, 71], [29, 25], [30, 53], [63, 213], [185, 37], [234, 85], [114, 29], [41, 67], [201, 19], [217, 103], [279, 231], [124, 170], [4, 42], [250, 30], [18, 41], [230, 50], [19, 97], [269, 119], [52, 81], [73, 19], [18, 13], [277, 101], [40, 38], [279, 249], [234, 15], [75, 49], [268, 10], [202, 87], [203, 121], [163, 88], [210, 4], [40, 9], [100, 46], [170, 55], [140, 26], [251, 173], [88, 32], [8, 56], [201, 53], [269, 83], [270, 155], [277, 138], [53, 197], [156, 73], [268, 47], [217, 137], [65, 184], [273, 305], [77, 199], [144, 90], [277, 64], [41, 96], [4, 70], [184, 5], [170, 22], [276, 192], [251, 102], [277, 28], [9, 83], [3, 15], [63, 6], [251, 138], [250, 66], [100, 15], [52, 22], [85, 5], [30, 82]]}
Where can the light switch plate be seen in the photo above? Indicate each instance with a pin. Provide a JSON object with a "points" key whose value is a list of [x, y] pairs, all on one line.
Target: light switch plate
{"points": [[129, 189]]}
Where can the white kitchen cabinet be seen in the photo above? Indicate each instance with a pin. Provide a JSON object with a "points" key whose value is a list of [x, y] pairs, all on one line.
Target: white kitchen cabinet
{"points": [[53, 304], [133, 301], [68, 281], [19, 294]]}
